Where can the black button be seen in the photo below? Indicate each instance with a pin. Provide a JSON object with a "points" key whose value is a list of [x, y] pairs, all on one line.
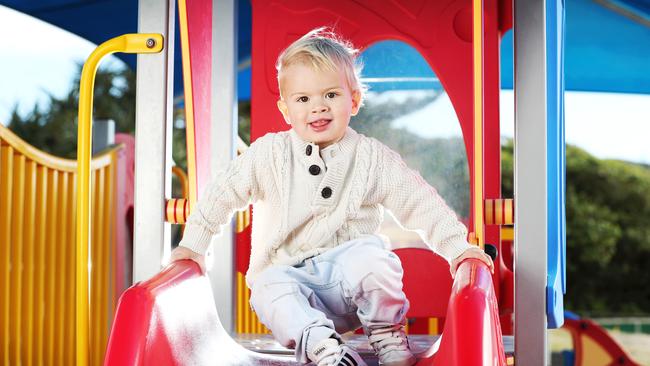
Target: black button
{"points": [[308, 150], [314, 170], [327, 192]]}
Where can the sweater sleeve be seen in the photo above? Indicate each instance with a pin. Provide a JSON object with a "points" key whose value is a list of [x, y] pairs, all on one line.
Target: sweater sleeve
{"points": [[418, 207], [229, 191]]}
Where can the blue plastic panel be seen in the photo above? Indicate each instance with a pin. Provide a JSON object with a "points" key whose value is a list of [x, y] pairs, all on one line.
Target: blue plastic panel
{"points": [[556, 253]]}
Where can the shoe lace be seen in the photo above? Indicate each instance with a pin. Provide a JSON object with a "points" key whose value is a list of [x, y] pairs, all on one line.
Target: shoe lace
{"points": [[388, 340]]}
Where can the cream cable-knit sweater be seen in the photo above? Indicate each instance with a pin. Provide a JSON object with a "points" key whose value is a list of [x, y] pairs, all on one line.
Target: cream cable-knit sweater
{"points": [[306, 200]]}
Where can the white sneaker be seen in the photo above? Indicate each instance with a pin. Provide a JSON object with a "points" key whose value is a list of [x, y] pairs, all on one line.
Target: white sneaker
{"points": [[391, 346], [329, 352]]}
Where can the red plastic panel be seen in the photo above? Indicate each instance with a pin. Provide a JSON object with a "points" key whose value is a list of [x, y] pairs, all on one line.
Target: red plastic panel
{"points": [[439, 30], [491, 128], [124, 212], [427, 282], [243, 248], [199, 31]]}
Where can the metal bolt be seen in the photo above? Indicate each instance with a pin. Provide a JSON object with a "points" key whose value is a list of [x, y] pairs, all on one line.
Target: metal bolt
{"points": [[151, 43]]}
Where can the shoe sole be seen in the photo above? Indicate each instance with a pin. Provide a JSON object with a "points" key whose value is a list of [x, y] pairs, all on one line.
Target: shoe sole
{"points": [[407, 362]]}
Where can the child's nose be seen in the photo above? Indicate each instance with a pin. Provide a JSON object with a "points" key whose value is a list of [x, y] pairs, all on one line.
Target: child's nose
{"points": [[319, 108]]}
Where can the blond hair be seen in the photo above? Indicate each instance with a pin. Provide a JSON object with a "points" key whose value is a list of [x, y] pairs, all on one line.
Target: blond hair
{"points": [[322, 49]]}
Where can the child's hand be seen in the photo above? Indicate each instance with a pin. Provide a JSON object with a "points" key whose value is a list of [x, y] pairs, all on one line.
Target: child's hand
{"points": [[185, 253], [476, 253]]}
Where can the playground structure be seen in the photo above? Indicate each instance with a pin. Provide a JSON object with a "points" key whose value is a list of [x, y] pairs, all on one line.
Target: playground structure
{"points": [[38, 196], [458, 59]]}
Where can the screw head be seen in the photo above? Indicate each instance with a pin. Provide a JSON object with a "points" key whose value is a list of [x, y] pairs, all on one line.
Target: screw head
{"points": [[151, 43]]}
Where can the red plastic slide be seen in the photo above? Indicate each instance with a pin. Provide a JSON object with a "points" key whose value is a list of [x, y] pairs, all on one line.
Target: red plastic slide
{"points": [[171, 319], [472, 333]]}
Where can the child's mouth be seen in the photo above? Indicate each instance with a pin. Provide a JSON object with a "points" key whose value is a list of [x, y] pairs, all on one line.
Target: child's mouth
{"points": [[320, 125]]}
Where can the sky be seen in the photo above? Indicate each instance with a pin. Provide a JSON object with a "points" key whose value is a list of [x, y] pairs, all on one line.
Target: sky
{"points": [[42, 60], [37, 59], [607, 125]]}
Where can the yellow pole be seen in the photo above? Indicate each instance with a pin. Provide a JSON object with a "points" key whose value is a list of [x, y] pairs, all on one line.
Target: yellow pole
{"points": [[189, 102], [478, 121], [128, 43]]}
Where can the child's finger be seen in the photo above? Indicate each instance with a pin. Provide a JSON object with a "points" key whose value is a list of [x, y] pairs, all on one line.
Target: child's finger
{"points": [[488, 260], [483, 257]]}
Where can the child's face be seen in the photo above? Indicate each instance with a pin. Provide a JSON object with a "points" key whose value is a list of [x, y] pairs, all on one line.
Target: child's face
{"points": [[317, 104]]}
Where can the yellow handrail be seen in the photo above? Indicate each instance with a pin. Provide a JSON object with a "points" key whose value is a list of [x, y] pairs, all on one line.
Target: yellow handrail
{"points": [[189, 103], [128, 43], [477, 235], [182, 179], [177, 209]]}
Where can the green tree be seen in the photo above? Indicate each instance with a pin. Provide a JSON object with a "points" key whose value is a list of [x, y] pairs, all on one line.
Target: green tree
{"points": [[53, 127], [608, 232]]}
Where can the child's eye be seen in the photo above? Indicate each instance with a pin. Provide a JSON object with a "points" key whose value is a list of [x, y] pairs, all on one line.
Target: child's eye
{"points": [[302, 99], [331, 95]]}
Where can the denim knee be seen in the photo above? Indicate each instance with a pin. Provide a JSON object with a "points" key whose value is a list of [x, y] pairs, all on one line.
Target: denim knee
{"points": [[270, 285], [364, 262]]}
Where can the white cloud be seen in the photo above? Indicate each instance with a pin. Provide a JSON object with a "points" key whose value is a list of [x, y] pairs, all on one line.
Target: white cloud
{"points": [[37, 58], [607, 125], [30, 36], [437, 119]]}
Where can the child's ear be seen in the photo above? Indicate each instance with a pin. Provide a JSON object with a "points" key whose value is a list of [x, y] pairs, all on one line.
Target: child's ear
{"points": [[282, 106], [356, 102]]}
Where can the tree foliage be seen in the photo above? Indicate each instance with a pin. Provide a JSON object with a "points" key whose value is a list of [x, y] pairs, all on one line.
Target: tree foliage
{"points": [[608, 233], [53, 127]]}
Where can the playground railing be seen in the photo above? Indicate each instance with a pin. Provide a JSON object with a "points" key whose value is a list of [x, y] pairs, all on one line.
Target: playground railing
{"points": [[37, 195], [128, 43]]}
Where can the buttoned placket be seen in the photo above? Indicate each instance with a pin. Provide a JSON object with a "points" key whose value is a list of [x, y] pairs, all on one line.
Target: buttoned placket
{"points": [[315, 165], [316, 169], [325, 166]]}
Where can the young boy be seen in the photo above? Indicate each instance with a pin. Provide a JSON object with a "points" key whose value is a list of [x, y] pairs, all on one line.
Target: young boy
{"points": [[317, 267]]}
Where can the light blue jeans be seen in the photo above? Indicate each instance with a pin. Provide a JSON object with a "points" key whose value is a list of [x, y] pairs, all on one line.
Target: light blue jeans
{"points": [[358, 283]]}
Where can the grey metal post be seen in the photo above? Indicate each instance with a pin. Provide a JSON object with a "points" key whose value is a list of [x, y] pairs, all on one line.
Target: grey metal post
{"points": [[224, 149], [153, 121], [530, 182], [103, 134]]}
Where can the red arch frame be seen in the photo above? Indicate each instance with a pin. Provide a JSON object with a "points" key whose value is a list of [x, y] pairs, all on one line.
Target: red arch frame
{"points": [[440, 30]]}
